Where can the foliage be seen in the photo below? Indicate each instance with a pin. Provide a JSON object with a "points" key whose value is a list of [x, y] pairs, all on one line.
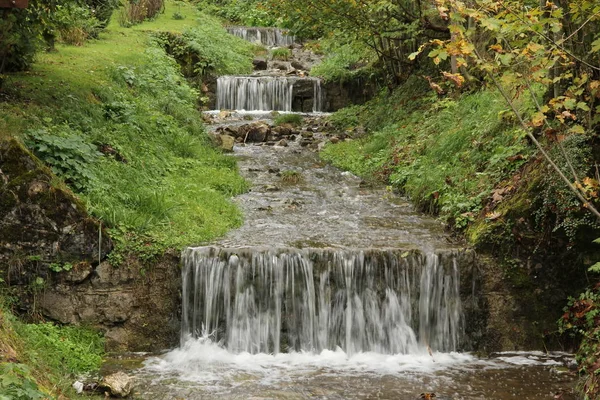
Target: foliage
{"points": [[559, 208], [75, 23], [391, 29], [345, 60], [17, 383], [207, 49], [581, 319], [25, 31], [293, 119], [67, 152], [524, 45], [241, 12]]}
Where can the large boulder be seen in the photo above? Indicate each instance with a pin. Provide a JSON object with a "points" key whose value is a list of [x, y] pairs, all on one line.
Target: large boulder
{"points": [[256, 132]]}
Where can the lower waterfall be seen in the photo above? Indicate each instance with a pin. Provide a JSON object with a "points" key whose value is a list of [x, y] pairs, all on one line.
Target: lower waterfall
{"points": [[284, 300]]}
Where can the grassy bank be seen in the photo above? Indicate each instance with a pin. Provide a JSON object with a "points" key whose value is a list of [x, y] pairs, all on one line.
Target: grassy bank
{"points": [[40, 361], [120, 126], [115, 119], [446, 155]]}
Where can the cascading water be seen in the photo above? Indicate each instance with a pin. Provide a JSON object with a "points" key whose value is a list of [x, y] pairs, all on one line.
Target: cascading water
{"points": [[282, 300], [266, 93], [270, 37]]}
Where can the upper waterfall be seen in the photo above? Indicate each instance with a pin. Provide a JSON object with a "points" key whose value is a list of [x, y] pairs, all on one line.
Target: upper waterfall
{"points": [[270, 37]]}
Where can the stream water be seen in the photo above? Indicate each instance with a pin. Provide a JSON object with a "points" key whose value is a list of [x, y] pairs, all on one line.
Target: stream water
{"points": [[332, 289]]}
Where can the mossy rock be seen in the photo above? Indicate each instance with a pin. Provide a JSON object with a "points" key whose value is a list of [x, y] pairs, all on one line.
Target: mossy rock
{"points": [[41, 220]]}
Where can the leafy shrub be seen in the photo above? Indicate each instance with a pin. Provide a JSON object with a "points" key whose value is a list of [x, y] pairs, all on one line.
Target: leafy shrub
{"points": [[17, 383], [560, 209], [293, 119], [75, 23], [581, 319], [67, 152]]}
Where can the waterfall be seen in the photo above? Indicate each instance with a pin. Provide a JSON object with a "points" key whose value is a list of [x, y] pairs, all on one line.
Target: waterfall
{"points": [[266, 93], [270, 37], [282, 300]]}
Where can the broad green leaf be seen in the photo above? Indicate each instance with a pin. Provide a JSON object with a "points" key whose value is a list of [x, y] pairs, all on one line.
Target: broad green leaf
{"points": [[595, 46], [595, 267], [578, 129], [583, 106]]}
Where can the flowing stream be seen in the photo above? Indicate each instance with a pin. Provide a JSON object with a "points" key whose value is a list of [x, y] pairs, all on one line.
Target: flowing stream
{"points": [[332, 289]]}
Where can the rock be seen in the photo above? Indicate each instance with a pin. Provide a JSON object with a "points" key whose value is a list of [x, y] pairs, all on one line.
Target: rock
{"points": [[256, 132], [224, 114], [282, 66], [273, 170], [260, 64], [307, 134], [334, 139], [282, 143], [295, 64], [305, 142], [283, 130], [78, 386], [79, 273], [271, 188], [227, 143], [118, 384]]}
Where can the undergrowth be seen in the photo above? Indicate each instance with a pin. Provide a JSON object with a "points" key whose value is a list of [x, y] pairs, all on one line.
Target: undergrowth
{"points": [[345, 60]]}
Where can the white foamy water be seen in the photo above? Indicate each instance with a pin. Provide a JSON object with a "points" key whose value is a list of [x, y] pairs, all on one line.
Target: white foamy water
{"points": [[201, 369]]}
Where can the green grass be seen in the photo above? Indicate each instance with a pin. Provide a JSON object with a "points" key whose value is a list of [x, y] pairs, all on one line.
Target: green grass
{"points": [[42, 360], [293, 119], [162, 183], [282, 54], [446, 155]]}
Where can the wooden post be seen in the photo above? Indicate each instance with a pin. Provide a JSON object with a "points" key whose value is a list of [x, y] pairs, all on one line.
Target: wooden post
{"points": [[14, 3]]}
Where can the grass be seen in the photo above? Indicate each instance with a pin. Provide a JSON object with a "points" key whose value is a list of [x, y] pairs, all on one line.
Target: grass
{"points": [[446, 155], [290, 177], [292, 119], [282, 54], [42, 360]]}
